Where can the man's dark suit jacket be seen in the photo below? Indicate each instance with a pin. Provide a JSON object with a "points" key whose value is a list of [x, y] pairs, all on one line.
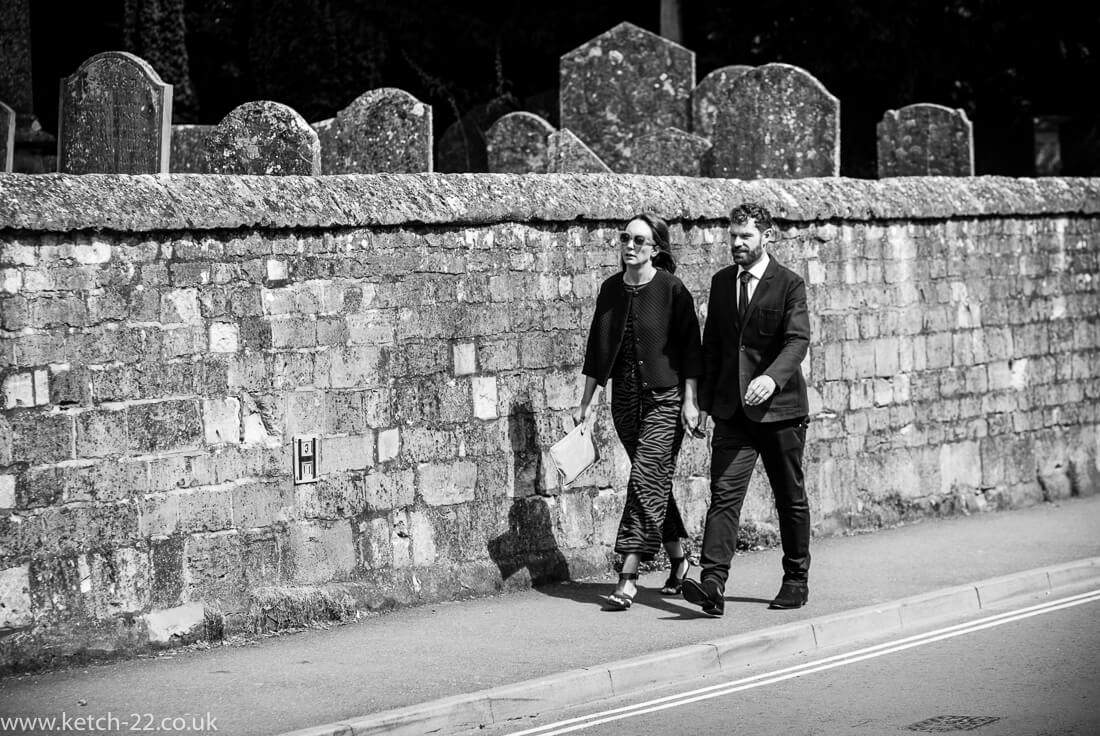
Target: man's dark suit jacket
{"points": [[773, 341]]}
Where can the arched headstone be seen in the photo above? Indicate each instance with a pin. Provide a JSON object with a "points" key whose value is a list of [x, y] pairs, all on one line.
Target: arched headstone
{"points": [[518, 143], [385, 130], [776, 121], [263, 137], [115, 118], [624, 84], [567, 154], [925, 140], [670, 152], [706, 98]]}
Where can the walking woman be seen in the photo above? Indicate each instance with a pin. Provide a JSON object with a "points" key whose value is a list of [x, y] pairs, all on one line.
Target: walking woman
{"points": [[645, 338]]}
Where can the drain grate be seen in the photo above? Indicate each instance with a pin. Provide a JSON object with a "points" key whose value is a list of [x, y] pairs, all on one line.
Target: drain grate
{"points": [[942, 724]]}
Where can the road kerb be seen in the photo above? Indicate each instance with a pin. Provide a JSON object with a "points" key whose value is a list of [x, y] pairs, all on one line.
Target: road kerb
{"points": [[529, 698]]}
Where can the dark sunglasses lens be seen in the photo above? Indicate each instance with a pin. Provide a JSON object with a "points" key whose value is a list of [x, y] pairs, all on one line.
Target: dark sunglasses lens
{"points": [[624, 238]]}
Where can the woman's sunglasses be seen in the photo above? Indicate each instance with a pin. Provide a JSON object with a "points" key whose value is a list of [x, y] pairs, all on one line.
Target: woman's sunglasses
{"points": [[625, 237]]}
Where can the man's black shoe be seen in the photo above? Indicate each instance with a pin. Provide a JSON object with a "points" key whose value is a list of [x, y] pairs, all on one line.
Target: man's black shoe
{"points": [[705, 594], [792, 594]]}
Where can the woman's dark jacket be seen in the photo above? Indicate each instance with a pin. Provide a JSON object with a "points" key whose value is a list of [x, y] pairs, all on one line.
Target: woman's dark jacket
{"points": [[666, 332]]}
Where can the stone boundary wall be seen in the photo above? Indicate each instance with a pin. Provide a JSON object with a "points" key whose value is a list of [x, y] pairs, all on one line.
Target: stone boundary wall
{"points": [[164, 339]]}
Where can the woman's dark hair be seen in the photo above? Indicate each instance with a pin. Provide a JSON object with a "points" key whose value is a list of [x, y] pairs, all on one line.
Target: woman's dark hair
{"points": [[663, 257]]}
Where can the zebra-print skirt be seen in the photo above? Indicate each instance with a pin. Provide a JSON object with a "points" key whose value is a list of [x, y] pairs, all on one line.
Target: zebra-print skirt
{"points": [[649, 426]]}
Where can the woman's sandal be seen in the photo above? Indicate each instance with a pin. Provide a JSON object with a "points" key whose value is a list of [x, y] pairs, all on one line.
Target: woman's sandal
{"points": [[675, 583], [618, 600]]}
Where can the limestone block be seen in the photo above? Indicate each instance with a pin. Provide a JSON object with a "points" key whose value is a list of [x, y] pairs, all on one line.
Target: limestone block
{"points": [[205, 509], [212, 569], [180, 306], [18, 389], [422, 535], [221, 420], [465, 358], [118, 583], [960, 466], [394, 489], [442, 484], [575, 523], [16, 608], [102, 433], [340, 454], [176, 625], [485, 397], [224, 337], [389, 444], [7, 491], [318, 552]]}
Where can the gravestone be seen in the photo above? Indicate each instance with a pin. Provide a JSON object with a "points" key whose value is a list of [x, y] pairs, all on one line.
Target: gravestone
{"points": [[115, 118], [708, 96], [622, 85], [925, 140], [518, 143], [463, 145], [384, 130], [7, 137], [263, 137], [777, 121], [670, 152], [567, 154], [189, 149]]}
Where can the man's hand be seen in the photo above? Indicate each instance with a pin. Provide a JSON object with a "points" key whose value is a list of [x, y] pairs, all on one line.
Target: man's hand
{"points": [[760, 390]]}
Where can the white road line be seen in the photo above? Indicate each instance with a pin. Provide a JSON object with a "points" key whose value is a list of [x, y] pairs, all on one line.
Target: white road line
{"points": [[820, 665]]}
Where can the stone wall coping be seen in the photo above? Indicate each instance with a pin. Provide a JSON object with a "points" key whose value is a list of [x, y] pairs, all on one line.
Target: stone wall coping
{"points": [[144, 203]]}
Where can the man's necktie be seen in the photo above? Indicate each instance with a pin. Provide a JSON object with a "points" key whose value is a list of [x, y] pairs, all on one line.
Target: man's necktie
{"points": [[743, 296]]}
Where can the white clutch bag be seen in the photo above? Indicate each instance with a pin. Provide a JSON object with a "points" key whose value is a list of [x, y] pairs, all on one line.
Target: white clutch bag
{"points": [[574, 453]]}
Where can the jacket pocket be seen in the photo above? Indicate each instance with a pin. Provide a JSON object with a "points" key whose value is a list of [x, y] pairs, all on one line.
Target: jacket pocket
{"points": [[768, 320]]}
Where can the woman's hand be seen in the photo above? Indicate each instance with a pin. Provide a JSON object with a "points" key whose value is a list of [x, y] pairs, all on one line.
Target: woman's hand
{"points": [[581, 413], [695, 421]]}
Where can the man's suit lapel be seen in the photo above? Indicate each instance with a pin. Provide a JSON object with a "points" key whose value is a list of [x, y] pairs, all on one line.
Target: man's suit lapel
{"points": [[762, 288]]}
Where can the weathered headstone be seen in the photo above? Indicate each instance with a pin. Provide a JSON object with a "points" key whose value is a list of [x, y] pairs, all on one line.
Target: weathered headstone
{"points": [[670, 152], [777, 121], [263, 137], [624, 84], [567, 154], [518, 143], [462, 147], [925, 140], [7, 137], [189, 149], [115, 118], [384, 130], [708, 98]]}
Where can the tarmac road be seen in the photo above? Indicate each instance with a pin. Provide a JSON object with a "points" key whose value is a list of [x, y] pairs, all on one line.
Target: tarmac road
{"points": [[1025, 673]]}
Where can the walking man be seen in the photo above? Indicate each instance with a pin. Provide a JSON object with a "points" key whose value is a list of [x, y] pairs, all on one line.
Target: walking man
{"points": [[756, 335]]}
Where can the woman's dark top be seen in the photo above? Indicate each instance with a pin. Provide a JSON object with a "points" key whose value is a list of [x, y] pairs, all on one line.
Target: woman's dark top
{"points": [[666, 341]]}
